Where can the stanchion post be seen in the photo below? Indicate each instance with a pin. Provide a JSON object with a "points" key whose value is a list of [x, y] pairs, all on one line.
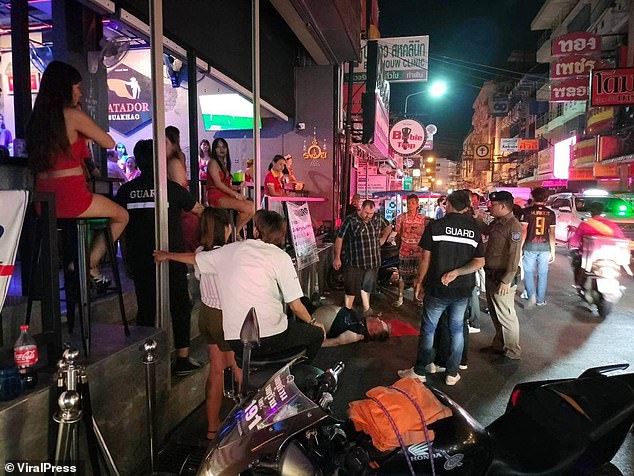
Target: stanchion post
{"points": [[149, 359]]}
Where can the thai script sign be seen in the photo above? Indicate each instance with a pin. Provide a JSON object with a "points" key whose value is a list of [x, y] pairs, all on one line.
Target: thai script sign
{"points": [[406, 59], [302, 234], [528, 144], [578, 42], [612, 87], [574, 89], [575, 65], [509, 145]]}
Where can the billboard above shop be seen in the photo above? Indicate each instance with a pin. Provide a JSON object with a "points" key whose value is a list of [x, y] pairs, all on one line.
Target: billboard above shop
{"points": [[576, 43], [406, 59], [376, 100], [612, 87]]}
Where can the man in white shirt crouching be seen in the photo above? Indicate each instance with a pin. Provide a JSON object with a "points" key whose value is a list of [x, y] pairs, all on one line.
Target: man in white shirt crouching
{"points": [[258, 273]]}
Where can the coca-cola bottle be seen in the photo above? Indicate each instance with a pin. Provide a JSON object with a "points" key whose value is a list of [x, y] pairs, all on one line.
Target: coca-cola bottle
{"points": [[25, 356]]}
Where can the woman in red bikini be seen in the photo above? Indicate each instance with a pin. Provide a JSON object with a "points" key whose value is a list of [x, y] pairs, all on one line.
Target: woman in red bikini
{"points": [[220, 193], [56, 142]]}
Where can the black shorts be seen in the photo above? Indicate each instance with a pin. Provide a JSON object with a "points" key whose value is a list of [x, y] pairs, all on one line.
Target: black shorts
{"points": [[357, 279]]}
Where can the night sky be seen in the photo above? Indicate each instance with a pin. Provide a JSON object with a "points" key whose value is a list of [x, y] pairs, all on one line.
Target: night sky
{"points": [[479, 31]]}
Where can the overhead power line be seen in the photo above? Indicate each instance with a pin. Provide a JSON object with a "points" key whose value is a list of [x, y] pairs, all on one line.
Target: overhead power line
{"points": [[519, 73]]}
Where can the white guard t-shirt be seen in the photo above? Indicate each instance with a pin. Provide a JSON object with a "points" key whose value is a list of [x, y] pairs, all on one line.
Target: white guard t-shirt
{"points": [[252, 273]]}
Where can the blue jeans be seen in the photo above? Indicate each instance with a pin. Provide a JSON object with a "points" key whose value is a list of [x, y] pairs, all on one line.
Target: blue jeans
{"points": [[432, 310], [530, 259]]}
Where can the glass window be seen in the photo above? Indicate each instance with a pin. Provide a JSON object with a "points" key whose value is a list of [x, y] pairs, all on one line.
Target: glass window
{"points": [[611, 205], [561, 202]]}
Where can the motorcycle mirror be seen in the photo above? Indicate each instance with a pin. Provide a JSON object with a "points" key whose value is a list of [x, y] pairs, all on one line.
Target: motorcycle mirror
{"points": [[250, 331]]}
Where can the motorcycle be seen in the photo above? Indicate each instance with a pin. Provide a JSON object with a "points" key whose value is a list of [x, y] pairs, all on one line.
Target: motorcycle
{"points": [[598, 271], [555, 427]]}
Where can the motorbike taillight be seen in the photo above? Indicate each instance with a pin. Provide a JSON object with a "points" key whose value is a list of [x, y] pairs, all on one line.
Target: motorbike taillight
{"points": [[516, 396]]}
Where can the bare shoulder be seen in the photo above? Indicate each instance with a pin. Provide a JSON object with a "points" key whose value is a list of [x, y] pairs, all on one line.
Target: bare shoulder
{"points": [[73, 115]]}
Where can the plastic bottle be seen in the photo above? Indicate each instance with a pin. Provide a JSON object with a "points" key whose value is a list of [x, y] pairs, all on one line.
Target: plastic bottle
{"points": [[25, 356]]}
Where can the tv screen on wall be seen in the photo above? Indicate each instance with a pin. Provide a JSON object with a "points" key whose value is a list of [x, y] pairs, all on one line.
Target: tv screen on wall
{"points": [[226, 112]]}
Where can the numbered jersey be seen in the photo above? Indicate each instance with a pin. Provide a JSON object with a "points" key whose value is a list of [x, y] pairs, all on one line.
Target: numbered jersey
{"points": [[539, 219]]}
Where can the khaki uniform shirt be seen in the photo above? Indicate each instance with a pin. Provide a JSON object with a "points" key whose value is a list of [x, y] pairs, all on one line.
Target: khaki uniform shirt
{"points": [[504, 248]]}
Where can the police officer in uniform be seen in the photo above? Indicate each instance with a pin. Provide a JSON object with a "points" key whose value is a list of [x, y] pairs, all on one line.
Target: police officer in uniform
{"points": [[501, 267]]}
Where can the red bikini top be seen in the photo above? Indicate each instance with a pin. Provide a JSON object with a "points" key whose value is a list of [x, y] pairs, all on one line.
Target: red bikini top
{"points": [[78, 152]]}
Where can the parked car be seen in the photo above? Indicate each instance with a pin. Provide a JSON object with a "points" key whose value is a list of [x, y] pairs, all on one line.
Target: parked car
{"points": [[572, 208]]}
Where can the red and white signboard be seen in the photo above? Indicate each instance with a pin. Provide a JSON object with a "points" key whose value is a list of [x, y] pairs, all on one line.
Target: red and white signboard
{"points": [[612, 87], [576, 65], [528, 144], [11, 220], [574, 89], [576, 43], [407, 137]]}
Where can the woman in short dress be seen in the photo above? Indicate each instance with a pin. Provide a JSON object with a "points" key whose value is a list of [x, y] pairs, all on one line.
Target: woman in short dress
{"points": [[56, 142], [220, 193]]}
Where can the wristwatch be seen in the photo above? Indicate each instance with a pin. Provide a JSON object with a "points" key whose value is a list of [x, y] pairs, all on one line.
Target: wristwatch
{"points": [[312, 321]]}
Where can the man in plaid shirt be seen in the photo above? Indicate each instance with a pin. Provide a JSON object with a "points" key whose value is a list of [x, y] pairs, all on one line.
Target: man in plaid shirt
{"points": [[363, 234]]}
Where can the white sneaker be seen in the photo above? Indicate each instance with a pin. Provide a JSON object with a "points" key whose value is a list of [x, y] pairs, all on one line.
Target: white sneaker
{"points": [[474, 330], [463, 367], [541, 303], [451, 380], [410, 373], [434, 369]]}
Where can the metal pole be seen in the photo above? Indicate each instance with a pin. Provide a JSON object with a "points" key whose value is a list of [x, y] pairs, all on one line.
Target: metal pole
{"points": [[160, 153], [255, 70], [149, 359], [407, 100], [20, 60], [192, 97], [346, 162]]}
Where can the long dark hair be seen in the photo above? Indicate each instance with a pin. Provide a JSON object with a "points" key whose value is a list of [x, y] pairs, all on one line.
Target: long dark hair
{"points": [[46, 134], [212, 227], [200, 149], [224, 167]]}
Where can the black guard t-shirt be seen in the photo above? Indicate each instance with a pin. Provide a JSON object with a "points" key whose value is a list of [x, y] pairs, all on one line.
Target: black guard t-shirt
{"points": [[137, 196], [454, 241]]}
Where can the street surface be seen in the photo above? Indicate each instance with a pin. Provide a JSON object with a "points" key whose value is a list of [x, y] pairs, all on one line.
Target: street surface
{"points": [[559, 340]]}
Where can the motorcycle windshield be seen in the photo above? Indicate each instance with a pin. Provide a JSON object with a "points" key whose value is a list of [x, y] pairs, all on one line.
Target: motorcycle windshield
{"points": [[279, 399], [262, 420]]}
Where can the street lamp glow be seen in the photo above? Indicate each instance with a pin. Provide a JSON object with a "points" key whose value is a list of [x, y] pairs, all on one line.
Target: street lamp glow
{"points": [[430, 159], [438, 89], [439, 182]]}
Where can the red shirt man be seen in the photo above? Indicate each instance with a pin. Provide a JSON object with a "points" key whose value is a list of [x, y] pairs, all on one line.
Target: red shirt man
{"points": [[595, 226]]}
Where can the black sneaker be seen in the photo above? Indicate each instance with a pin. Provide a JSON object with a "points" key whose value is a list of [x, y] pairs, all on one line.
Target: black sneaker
{"points": [[185, 366]]}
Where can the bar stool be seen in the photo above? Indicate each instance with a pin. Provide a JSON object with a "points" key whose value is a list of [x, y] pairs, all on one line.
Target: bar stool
{"points": [[82, 276]]}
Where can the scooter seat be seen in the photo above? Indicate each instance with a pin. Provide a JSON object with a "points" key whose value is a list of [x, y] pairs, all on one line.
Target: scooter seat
{"points": [[561, 427]]}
